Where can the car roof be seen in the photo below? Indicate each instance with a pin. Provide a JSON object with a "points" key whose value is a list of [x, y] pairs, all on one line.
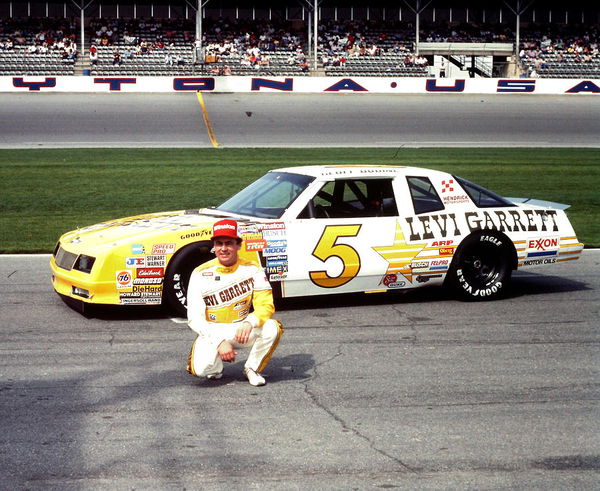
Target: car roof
{"points": [[360, 170]]}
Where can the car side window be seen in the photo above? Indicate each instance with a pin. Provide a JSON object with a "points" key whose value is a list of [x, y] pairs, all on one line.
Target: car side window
{"points": [[349, 198], [483, 198], [424, 196]]}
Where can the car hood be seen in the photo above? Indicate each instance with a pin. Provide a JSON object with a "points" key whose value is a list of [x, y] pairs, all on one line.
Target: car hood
{"points": [[141, 227]]}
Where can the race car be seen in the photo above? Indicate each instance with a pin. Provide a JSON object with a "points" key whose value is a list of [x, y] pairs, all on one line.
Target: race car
{"points": [[321, 230]]}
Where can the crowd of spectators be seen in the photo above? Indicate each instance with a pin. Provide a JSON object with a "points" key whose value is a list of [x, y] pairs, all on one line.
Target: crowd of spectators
{"points": [[40, 36], [340, 41], [230, 46], [556, 46], [472, 32], [254, 43]]}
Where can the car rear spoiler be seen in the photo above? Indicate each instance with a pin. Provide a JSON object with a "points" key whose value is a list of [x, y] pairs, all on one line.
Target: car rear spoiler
{"points": [[538, 202]]}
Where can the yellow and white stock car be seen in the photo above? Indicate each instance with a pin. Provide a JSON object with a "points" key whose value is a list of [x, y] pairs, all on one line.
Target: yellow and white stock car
{"points": [[325, 229]]}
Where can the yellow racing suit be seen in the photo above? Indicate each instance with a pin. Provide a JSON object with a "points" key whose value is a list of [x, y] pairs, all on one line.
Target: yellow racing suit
{"points": [[219, 298]]}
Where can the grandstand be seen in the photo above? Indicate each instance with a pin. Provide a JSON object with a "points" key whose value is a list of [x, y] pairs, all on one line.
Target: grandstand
{"points": [[277, 39]]}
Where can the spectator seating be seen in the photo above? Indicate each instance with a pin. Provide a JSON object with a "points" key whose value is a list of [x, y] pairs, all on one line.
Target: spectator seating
{"points": [[561, 51], [269, 48], [18, 62]]}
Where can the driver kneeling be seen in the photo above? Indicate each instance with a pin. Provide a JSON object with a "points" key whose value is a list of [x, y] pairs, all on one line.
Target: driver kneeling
{"points": [[220, 295]]}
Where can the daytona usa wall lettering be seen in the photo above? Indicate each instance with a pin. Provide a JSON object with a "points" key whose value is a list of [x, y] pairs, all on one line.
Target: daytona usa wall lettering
{"points": [[444, 225]]}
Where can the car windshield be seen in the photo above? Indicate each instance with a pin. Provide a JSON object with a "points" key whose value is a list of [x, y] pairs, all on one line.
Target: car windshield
{"points": [[268, 197]]}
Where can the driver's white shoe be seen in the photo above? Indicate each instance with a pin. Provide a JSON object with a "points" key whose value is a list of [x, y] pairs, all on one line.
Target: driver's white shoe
{"points": [[254, 378]]}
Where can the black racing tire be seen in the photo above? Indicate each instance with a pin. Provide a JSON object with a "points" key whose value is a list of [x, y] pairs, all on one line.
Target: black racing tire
{"points": [[482, 266], [178, 274]]}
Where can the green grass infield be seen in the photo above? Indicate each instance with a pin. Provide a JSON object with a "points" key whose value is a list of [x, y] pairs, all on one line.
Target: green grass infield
{"points": [[46, 192]]}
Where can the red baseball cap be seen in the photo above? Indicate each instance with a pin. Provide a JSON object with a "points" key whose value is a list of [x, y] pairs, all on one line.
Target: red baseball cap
{"points": [[225, 228]]}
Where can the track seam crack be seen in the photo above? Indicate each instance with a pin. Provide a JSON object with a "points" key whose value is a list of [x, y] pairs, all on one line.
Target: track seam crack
{"points": [[341, 421]]}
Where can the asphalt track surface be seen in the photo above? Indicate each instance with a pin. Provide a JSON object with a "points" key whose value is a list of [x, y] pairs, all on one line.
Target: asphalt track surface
{"points": [[284, 120], [414, 391], [418, 391]]}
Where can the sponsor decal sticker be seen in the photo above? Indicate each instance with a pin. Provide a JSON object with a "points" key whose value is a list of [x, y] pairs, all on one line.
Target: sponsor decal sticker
{"points": [[276, 243], [163, 249], [150, 273], [270, 226], [153, 261], [543, 244], [391, 281], [446, 251], [148, 281], [537, 262], [274, 251], [512, 220], [270, 270], [439, 264], [193, 235], [135, 262], [448, 186], [400, 254], [278, 277], [455, 200], [131, 301], [420, 264], [281, 257], [542, 253], [273, 234], [138, 249], [147, 288], [124, 279], [129, 295], [249, 236], [255, 245]]}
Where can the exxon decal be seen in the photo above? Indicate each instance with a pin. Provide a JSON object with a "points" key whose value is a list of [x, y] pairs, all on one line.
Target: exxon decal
{"points": [[543, 244]]}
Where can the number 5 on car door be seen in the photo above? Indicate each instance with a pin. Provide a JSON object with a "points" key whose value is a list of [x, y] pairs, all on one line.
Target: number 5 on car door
{"points": [[328, 247]]}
